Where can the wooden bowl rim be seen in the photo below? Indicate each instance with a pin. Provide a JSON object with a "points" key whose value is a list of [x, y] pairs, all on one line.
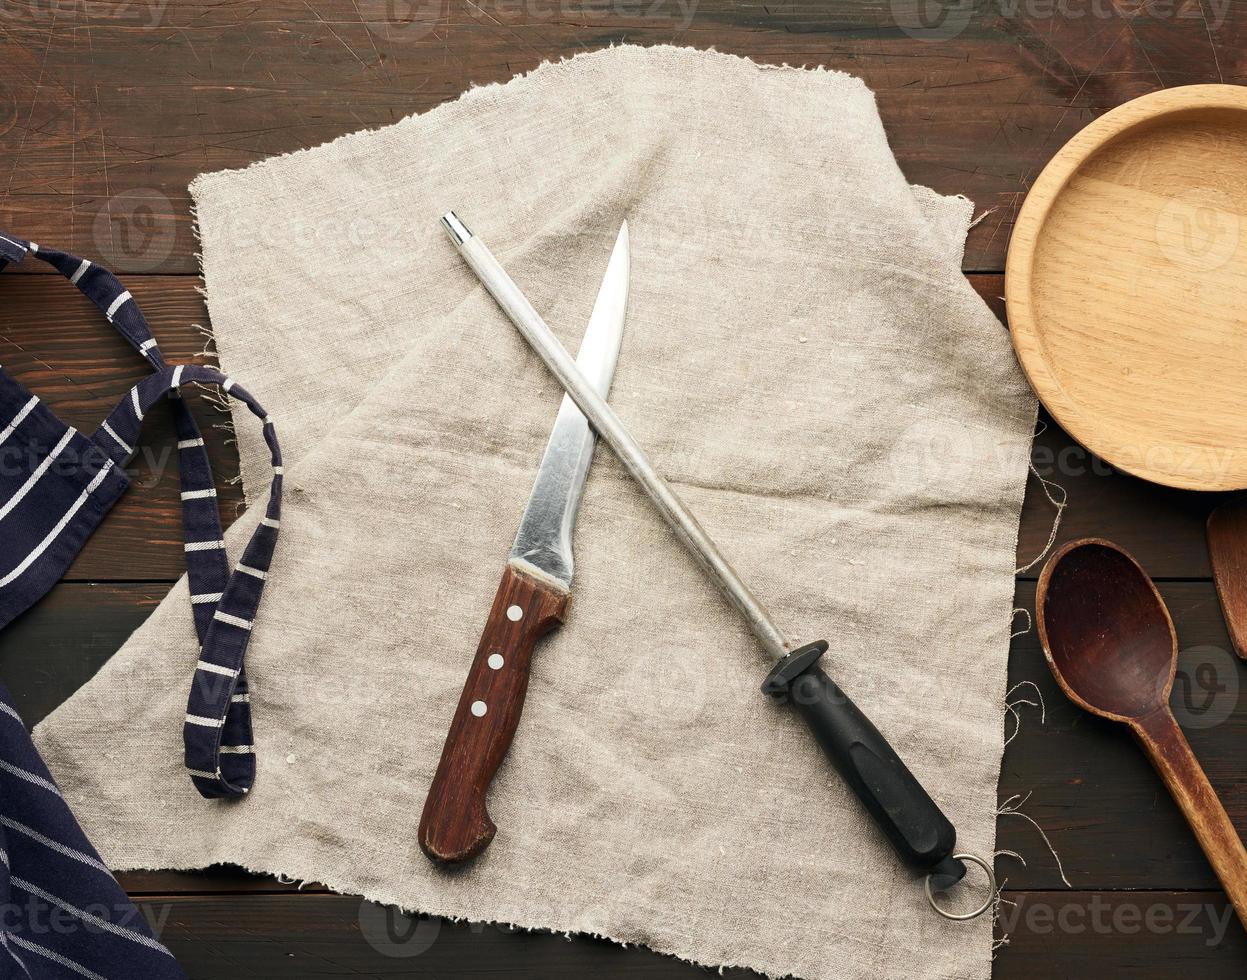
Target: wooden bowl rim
{"points": [[1029, 226]]}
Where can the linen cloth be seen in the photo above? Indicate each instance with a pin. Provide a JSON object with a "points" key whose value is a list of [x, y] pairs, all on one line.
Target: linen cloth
{"points": [[807, 365]]}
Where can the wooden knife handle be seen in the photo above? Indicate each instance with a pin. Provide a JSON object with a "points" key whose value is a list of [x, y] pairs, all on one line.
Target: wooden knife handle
{"points": [[455, 825]]}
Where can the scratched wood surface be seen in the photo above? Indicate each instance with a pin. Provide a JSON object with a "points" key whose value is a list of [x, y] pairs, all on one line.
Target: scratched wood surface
{"points": [[108, 109]]}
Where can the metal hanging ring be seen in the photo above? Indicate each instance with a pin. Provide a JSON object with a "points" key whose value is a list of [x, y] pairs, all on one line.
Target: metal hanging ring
{"points": [[987, 902]]}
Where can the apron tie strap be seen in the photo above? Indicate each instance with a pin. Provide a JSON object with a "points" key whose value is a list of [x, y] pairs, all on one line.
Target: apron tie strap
{"points": [[217, 733]]}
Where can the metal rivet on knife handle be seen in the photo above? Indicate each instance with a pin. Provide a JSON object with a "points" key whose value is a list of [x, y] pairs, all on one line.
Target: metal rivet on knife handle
{"points": [[917, 828]]}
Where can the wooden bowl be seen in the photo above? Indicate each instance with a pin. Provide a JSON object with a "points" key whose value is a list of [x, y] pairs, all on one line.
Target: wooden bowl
{"points": [[1126, 285]]}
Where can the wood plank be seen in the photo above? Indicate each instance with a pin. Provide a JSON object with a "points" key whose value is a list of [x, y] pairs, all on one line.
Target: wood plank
{"points": [[1146, 935], [1090, 788], [54, 648], [54, 341], [217, 880], [296, 937], [1092, 792], [96, 152]]}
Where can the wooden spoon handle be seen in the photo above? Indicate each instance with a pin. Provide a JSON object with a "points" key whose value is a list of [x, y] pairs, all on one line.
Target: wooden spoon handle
{"points": [[455, 825], [1171, 755]]}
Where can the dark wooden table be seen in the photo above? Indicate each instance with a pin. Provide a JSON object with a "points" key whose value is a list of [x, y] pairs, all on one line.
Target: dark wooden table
{"points": [[108, 109]]}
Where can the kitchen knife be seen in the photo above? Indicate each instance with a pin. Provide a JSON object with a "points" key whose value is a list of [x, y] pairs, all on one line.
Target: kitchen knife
{"points": [[530, 602], [918, 829]]}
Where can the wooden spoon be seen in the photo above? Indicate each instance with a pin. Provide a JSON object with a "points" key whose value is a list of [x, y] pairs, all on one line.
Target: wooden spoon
{"points": [[1227, 550], [1112, 647]]}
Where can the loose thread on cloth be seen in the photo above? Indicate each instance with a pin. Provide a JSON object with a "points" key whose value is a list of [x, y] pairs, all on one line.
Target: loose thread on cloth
{"points": [[1012, 808], [983, 216], [1009, 807], [215, 399], [1012, 707], [209, 347], [1058, 503], [1025, 629], [221, 404], [1001, 941]]}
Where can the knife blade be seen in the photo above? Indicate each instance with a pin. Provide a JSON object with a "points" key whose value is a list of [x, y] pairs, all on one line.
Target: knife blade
{"points": [[531, 600]]}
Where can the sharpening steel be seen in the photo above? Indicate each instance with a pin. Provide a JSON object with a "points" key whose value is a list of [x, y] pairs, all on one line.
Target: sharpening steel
{"points": [[922, 835]]}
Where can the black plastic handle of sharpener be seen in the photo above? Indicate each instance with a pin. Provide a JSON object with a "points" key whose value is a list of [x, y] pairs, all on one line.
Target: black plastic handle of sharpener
{"points": [[916, 826]]}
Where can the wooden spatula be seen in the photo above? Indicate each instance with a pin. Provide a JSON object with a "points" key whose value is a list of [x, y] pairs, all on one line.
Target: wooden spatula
{"points": [[1227, 550]]}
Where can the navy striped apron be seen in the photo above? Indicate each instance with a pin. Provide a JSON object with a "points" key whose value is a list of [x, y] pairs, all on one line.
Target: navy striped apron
{"points": [[57, 484], [64, 915]]}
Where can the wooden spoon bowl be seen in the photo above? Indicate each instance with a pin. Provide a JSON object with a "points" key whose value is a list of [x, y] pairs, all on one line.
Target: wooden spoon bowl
{"points": [[1120, 667]]}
